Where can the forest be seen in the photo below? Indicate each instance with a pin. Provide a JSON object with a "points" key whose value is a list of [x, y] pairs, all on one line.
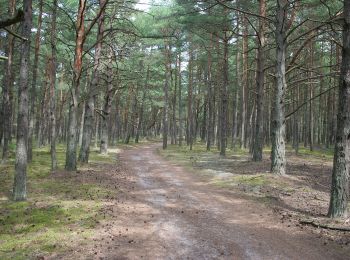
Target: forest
{"points": [[173, 129]]}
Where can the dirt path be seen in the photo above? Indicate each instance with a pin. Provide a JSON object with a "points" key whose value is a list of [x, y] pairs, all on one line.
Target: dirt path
{"points": [[170, 213]]}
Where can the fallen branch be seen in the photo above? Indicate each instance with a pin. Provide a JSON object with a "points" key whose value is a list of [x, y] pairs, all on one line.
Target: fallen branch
{"points": [[319, 225], [15, 34]]}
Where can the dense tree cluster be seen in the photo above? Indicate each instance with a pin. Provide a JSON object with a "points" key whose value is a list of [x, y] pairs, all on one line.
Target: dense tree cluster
{"points": [[231, 74]]}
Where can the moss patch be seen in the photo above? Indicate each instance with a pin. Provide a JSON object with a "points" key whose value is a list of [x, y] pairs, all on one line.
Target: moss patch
{"points": [[61, 211]]}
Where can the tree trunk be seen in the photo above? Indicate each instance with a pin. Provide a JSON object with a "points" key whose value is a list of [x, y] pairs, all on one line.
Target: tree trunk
{"points": [[341, 165], [107, 108], [34, 83], [52, 77], [260, 78], [20, 182], [174, 125], [278, 157], [166, 94], [71, 158], [224, 100], [190, 99], [7, 97], [244, 83], [144, 91], [180, 102], [210, 95], [90, 104]]}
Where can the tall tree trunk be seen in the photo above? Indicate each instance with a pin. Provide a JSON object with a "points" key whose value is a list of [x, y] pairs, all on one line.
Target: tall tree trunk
{"points": [[174, 125], [107, 107], [278, 157], [71, 158], [341, 165], [92, 90], [190, 99], [311, 132], [260, 78], [53, 87], [166, 94], [34, 83], [7, 97], [131, 119], [238, 93], [244, 83], [180, 102], [210, 95], [140, 123], [224, 99], [20, 182], [81, 127]]}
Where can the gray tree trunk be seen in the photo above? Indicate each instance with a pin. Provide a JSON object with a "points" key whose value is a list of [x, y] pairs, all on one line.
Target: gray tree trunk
{"points": [[260, 78], [53, 87], [224, 100], [144, 91], [278, 157], [166, 94], [180, 102], [71, 152], [7, 97], [341, 165], [20, 182], [34, 83], [106, 109], [90, 104], [81, 128], [244, 100]]}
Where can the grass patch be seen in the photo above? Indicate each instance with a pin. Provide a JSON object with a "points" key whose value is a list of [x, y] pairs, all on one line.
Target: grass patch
{"points": [[60, 213], [318, 153], [230, 171]]}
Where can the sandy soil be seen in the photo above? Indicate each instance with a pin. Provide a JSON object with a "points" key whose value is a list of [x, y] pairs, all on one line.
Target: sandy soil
{"points": [[166, 212]]}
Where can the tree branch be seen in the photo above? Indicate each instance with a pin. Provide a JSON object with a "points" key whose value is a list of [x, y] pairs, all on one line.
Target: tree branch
{"points": [[18, 17]]}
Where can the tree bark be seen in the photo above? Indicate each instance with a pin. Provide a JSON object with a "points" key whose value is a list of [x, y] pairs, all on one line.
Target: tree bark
{"points": [[166, 94], [34, 83], [90, 104], [244, 100], [141, 113], [7, 97], [190, 99], [107, 108], [52, 77], [278, 157], [341, 165], [210, 96], [20, 181], [224, 99], [71, 158], [260, 78], [180, 102]]}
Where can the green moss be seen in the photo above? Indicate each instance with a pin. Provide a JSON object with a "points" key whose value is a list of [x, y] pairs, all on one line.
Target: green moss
{"points": [[248, 180], [26, 227], [57, 209], [318, 153]]}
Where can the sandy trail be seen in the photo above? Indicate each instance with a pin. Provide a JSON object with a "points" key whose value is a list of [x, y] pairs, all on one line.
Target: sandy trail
{"points": [[191, 219], [163, 211]]}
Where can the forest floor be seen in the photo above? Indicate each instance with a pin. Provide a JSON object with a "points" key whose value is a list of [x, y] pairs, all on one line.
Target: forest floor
{"points": [[142, 202]]}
